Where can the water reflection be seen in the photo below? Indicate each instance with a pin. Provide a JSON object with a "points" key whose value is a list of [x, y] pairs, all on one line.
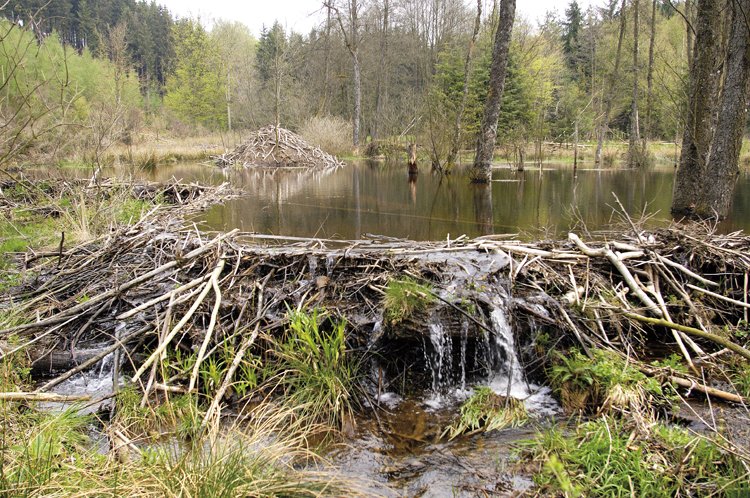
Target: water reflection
{"points": [[483, 208], [370, 197], [378, 199]]}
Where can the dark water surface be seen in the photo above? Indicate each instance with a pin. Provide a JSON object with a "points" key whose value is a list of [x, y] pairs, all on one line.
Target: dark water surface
{"points": [[373, 198]]}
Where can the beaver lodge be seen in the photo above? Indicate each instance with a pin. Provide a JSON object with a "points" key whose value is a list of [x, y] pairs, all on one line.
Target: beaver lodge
{"points": [[277, 147]]}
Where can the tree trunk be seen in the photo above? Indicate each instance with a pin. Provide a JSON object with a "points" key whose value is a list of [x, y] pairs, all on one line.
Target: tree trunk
{"points": [[325, 98], [689, 32], [382, 83], [229, 101], [635, 154], [456, 143], [704, 78], [482, 172], [722, 168], [650, 76], [609, 96], [357, 98]]}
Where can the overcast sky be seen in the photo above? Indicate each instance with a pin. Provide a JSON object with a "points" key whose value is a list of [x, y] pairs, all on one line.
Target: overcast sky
{"points": [[301, 15]]}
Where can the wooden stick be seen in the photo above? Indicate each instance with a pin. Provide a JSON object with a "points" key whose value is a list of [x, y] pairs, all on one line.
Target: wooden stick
{"points": [[36, 396], [163, 345], [209, 332], [685, 270], [228, 378], [163, 297], [76, 310], [626, 275], [693, 331], [718, 296]]}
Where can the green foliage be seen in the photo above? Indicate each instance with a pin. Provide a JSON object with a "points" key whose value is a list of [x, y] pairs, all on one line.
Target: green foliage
{"points": [[606, 457], [179, 415], [606, 382], [196, 90], [740, 377], [486, 411], [56, 97], [316, 373], [404, 297], [674, 362]]}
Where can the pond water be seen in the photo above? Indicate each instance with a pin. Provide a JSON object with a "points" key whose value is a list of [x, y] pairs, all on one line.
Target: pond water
{"points": [[373, 198]]}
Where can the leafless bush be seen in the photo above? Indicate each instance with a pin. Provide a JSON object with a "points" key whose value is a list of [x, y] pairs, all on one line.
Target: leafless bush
{"points": [[330, 133]]}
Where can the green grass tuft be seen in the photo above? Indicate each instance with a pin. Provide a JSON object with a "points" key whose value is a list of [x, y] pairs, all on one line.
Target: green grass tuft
{"points": [[317, 374], [403, 297], [486, 411], [608, 457]]}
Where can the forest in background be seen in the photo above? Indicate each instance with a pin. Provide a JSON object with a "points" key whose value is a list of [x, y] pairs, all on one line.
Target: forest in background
{"points": [[93, 74]]}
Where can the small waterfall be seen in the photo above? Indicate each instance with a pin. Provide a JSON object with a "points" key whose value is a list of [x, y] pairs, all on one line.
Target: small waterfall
{"points": [[506, 375], [464, 341], [439, 359]]}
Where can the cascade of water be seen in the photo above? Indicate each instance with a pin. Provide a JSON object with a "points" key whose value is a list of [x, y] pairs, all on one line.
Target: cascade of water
{"points": [[507, 376], [440, 356], [464, 340]]}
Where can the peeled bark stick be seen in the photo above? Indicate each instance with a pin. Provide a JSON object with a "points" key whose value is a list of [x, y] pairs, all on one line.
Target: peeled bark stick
{"points": [[76, 310], [718, 296], [35, 396], [686, 270], [209, 333], [710, 391], [180, 324], [228, 379], [692, 331], [163, 297], [617, 263]]}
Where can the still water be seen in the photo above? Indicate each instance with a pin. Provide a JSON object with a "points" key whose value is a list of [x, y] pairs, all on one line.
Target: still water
{"points": [[373, 198]]}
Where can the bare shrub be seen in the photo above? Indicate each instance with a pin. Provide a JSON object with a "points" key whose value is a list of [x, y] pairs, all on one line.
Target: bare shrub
{"points": [[331, 133]]}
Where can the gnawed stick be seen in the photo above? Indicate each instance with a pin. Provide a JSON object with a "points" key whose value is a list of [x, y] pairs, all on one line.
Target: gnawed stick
{"points": [[626, 275], [47, 397], [163, 345], [163, 297], [228, 378], [693, 331], [209, 333], [710, 391], [719, 296]]}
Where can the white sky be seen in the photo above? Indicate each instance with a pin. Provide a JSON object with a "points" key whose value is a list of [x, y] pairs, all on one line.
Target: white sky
{"points": [[302, 15]]}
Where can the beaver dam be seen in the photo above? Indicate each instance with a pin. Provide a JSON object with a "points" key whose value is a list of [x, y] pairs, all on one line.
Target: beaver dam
{"points": [[239, 320]]}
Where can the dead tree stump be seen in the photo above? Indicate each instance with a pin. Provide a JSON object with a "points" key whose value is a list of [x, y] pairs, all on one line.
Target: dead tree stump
{"points": [[412, 162]]}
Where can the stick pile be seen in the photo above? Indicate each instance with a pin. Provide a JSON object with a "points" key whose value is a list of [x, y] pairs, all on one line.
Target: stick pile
{"points": [[269, 147], [153, 289]]}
